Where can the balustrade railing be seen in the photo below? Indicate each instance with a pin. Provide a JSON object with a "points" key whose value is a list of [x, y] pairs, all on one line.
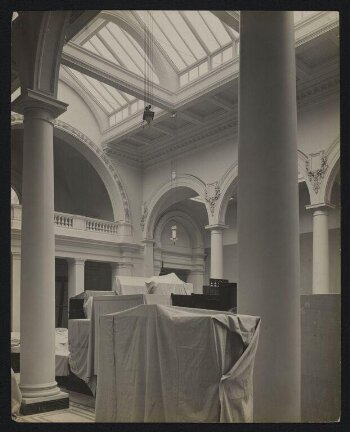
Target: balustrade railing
{"points": [[77, 222], [101, 226], [62, 220]]}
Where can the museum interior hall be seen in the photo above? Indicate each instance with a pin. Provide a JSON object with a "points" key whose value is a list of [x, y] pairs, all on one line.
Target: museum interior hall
{"points": [[175, 216]]}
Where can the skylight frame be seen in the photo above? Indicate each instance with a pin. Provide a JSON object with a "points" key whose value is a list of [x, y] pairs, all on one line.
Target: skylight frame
{"points": [[159, 45], [183, 55], [127, 56]]}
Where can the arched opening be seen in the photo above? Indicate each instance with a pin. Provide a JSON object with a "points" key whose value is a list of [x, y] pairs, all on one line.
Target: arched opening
{"points": [[79, 188], [185, 256]]}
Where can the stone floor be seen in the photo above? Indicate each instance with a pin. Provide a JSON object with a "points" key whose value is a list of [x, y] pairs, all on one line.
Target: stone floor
{"points": [[81, 410]]}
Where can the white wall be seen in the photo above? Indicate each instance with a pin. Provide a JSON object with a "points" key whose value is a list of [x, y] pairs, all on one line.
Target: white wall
{"points": [[318, 126], [78, 113], [208, 163]]}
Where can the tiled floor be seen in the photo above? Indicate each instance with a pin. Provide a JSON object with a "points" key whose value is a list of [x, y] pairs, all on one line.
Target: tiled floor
{"points": [[81, 410]]}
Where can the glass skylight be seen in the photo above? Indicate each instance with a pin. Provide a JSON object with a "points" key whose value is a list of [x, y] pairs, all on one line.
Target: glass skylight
{"points": [[187, 37], [194, 42], [117, 46], [108, 98]]}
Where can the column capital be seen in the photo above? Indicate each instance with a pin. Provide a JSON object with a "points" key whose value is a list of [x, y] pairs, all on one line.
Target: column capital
{"points": [[16, 255], [32, 99], [217, 227], [321, 206]]}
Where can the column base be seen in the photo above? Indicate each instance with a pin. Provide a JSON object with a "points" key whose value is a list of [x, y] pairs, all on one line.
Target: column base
{"points": [[37, 405]]}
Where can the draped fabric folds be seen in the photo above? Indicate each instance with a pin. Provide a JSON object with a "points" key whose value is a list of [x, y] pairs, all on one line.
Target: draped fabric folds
{"points": [[172, 364]]}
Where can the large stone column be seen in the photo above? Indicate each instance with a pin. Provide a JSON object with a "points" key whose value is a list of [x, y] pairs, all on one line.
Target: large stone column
{"points": [[320, 258], [76, 273], [125, 268], [16, 291], [38, 383], [216, 252], [148, 263], [196, 278], [268, 219], [114, 274]]}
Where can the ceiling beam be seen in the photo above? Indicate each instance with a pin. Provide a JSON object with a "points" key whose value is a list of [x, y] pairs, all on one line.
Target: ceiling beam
{"points": [[81, 21], [164, 129], [220, 102], [230, 18], [90, 64], [303, 71], [191, 117]]}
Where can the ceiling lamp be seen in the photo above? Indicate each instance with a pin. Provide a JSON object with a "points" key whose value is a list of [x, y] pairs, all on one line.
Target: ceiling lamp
{"points": [[148, 114]]}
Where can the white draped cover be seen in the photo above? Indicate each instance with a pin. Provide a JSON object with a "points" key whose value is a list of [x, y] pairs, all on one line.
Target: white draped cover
{"points": [[126, 285], [84, 333], [61, 349], [171, 364], [16, 395], [168, 284]]}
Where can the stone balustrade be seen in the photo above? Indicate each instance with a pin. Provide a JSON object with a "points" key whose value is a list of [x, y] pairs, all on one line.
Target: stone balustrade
{"points": [[69, 221], [101, 226], [63, 220]]}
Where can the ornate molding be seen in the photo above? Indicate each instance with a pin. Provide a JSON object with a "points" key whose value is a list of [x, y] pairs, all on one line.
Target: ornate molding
{"points": [[212, 194], [144, 216], [316, 176]]}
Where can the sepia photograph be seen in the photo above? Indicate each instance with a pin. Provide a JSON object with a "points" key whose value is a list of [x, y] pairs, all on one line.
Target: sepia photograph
{"points": [[175, 216]]}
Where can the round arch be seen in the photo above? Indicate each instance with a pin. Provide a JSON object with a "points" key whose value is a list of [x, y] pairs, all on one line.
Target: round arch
{"points": [[229, 183], [102, 165], [162, 195]]}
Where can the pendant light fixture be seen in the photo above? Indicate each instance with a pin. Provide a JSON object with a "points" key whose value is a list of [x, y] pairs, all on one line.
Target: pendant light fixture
{"points": [[148, 114]]}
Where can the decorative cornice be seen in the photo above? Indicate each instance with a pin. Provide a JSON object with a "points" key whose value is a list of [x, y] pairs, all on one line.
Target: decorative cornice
{"points": [[316, 92], [316, 176], [212, 194]]}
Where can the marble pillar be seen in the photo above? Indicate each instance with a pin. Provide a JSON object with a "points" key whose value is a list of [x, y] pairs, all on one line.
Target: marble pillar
{"points": [[268, 217], [76, 276], [37, 303]]}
